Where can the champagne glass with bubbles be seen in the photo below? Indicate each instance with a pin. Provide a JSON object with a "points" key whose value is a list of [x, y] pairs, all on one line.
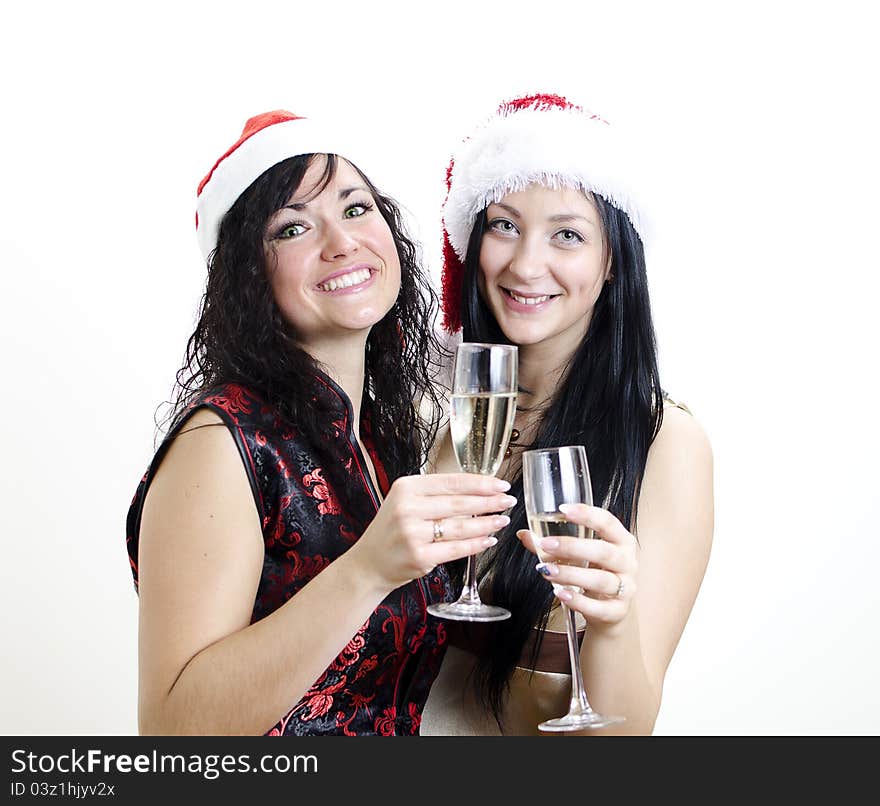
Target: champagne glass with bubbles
{"points": [[551, 477], [481, 416]]}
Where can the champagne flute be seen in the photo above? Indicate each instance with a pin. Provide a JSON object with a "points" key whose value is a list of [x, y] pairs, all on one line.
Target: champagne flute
{"points": [[551, 477], [481, 416]]}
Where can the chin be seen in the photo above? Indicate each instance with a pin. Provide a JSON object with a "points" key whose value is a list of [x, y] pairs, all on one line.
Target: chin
{"points": [[367, 319], [522, 336]]}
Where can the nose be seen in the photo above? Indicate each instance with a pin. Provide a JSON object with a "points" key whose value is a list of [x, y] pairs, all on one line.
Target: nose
{"points": [[338, 242], [528, 262]]}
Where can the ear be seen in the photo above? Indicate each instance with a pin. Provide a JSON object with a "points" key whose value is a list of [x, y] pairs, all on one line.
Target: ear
{"points": [[609, 275]]}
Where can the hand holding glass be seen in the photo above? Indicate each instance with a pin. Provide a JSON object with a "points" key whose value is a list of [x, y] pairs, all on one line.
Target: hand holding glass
{"points": [[552, 477], [481, 416]]}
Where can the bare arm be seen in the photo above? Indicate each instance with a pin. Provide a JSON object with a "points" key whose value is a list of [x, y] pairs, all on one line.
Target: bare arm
{"points": [[630, 639], [203, 667]]}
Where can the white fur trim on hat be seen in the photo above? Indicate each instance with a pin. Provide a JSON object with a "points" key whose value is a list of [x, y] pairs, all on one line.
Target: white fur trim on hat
{"points": [[554, 147], [236, 171]]}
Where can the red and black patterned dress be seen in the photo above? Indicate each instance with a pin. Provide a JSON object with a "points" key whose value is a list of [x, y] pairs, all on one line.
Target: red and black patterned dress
{"points": [[379, 683]]}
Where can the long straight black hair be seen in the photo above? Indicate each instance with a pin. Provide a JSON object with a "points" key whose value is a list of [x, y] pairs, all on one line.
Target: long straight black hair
{"points": [[608, 399]]}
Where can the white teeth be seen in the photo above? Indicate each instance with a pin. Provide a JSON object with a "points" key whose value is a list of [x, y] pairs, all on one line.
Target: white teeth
{"points": [[530, 300], [346, 280]]}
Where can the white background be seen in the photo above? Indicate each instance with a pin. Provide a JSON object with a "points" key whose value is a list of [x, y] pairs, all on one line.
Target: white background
{"points": [[760, 124]]}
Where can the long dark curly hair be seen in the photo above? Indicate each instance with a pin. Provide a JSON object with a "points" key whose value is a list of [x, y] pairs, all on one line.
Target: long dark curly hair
{"points": [[241, 336], [609, 400]]}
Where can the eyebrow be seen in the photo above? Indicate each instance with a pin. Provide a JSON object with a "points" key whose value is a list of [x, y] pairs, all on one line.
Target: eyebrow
{"points": [[571, 217], [343, 194], [512, 210], [560, 217]]}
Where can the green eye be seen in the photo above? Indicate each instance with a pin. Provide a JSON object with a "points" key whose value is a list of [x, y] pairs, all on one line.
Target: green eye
{"points": [[291, 231], [355, 210]]}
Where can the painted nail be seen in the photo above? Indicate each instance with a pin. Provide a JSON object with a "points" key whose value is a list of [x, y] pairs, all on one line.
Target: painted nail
{"points": [[547, 569], [490, 541], [549, 543], [563, 594], [509, 501], [501, 485], [501, 521]]}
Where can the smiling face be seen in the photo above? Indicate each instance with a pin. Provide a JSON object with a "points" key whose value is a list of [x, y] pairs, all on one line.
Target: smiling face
{"points": [[332, 261], [543, 262]]}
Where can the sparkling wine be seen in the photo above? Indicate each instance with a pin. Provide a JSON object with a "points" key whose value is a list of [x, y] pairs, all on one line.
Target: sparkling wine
{"points": [[480, 426], [554, 524]]}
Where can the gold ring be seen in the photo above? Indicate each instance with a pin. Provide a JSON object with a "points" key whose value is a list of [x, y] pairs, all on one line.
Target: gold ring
{"points": [[438, 531]]}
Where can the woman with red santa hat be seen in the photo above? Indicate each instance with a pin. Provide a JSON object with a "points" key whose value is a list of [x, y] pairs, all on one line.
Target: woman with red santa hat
{"points": [[283, 545], [544, 233]]}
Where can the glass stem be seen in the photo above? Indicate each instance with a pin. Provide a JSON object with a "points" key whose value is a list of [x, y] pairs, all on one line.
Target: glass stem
{"points": [[579, 704], [469, 593]]}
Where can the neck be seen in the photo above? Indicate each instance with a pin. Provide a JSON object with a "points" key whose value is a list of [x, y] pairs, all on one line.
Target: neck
{"points": [[345, 363], [540, 369]]}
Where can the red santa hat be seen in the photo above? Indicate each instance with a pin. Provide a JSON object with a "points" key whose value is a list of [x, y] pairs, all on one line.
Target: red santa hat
{"points": [[266, 140], [542, 139]]}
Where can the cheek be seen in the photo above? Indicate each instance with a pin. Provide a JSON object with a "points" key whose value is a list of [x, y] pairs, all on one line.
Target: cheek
{"points": [[392, 266], [381, 239], [586, 279], [491, 261], [285, 279], [492, 264], [283, 283], [382, 243], [275, 278]]}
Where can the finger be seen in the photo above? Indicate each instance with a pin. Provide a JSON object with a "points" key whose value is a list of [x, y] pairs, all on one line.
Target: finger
{"points": [[466, 528], [601, 520], [595, 611], [435, 507], [528, 538], [445, 551], [592, 580], [461, 483], [574, 551]]}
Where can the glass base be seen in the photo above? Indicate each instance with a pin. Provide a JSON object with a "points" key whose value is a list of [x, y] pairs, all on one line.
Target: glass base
{"points": [[464, 611], [580, 722]]}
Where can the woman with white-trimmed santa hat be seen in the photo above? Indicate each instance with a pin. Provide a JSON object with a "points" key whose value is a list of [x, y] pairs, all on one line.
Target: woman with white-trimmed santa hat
{"points": [[544, 231], [283, 546]]}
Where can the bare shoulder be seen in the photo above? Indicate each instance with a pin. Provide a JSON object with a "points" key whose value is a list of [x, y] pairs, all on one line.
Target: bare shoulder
{"points": [[204, 428], [203, 416], [677, 494], [681, 438], [203, 439], [201, 475], [676, 500]]}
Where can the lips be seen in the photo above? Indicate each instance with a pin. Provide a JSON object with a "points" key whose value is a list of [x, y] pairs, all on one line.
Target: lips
{"points": [[346, 279], [524, 302]]}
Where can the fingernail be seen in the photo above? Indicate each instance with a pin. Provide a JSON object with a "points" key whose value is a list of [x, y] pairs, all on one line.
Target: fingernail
{"points": [[563, 594], [501, 520], [501, 485], [549, 543], [547, 569], [509, 500], [566, 508], [490, 541]]}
